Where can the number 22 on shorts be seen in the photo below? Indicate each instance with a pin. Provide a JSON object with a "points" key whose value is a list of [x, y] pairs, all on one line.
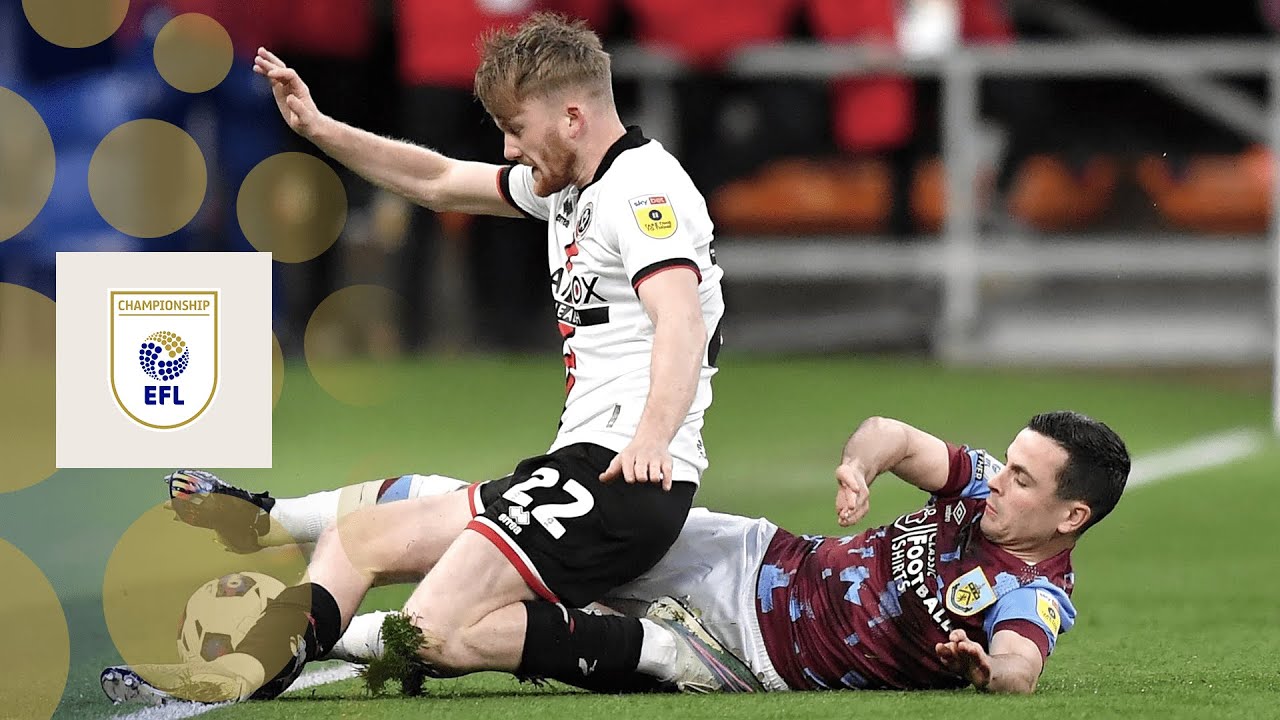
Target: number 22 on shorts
{"points": [[549, 515]]}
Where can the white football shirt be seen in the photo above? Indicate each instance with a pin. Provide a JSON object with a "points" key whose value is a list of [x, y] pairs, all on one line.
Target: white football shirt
{"points": [[639, 216]]}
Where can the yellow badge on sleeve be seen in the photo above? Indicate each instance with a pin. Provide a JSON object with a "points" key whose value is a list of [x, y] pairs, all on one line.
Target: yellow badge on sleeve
{"points": [[1048, 610], [654, 215]]}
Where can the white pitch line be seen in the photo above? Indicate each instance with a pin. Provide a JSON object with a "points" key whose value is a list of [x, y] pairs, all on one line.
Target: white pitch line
{"points": [[1202, 453], [180, 710]]}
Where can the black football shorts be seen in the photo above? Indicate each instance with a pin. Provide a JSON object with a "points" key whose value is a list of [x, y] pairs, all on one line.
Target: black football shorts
{"points": [[572, 537]]}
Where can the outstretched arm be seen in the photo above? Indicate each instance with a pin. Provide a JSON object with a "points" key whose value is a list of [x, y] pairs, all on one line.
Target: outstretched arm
{"points": [[416, 173], [1013, 666], [885, 445]]}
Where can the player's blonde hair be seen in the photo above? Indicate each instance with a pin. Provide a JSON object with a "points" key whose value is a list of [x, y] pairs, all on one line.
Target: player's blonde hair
{"points": [[544, 55]]}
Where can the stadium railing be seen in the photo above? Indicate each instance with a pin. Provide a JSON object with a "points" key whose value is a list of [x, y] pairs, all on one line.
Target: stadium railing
{"points": [[964, 256]]}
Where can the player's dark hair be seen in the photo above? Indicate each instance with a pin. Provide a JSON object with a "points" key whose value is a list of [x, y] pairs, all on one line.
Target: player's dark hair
{"points": [[1097, 460]]}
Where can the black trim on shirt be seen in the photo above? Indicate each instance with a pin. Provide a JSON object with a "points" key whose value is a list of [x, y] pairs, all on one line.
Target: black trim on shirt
{"points": [[713, 345], [584, 317], [633, 139], [504, 187], [651, 270]]}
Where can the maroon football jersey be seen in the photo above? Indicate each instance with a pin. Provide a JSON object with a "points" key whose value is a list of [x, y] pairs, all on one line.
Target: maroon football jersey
{"points": [[866, 611]]}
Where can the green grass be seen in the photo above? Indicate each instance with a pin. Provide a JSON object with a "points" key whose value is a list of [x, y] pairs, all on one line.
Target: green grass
{"points": [[1176, 590]]}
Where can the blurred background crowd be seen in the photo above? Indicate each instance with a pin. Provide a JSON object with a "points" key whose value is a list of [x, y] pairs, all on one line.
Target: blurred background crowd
{"points": [[786, 162]]}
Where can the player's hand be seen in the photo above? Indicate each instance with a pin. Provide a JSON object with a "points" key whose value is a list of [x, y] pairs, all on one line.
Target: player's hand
{"points": [[641, 461], [853, 495], [965, 658], [292, 96]]}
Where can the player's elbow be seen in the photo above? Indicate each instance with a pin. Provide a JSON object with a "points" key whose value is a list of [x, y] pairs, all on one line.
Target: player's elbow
{"points": [[1014, 684], [435, 190], [429, 193], [698, 332], [1023, 687], [880, 426]]}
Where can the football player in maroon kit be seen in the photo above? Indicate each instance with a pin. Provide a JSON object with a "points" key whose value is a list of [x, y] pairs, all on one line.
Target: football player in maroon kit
{"points": [[973, 588]]}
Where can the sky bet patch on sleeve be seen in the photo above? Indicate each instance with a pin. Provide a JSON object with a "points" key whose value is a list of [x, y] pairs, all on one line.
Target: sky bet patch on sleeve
{"points": [[163, 360], [654, 215], [1047, 609]]}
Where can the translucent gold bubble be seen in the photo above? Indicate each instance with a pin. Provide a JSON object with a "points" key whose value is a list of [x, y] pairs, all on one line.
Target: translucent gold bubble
{"points": [[157, 566], [27, 156], [277, 371], [27, 375], [33, 669], [193, 53], [292, 205], [75, 23], [347, 335], [147, 178]]}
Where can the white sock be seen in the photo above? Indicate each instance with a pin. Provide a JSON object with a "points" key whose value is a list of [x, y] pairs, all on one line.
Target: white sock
{"points": [[306, 517], [657, 651], [362, 641]]}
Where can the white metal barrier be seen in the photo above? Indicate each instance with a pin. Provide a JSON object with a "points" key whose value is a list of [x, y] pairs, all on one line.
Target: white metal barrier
{"points": [[962, 257]]}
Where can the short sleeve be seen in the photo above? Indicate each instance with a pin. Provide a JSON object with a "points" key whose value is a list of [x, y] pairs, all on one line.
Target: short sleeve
{"points": [[515, 183], [1039, 604], [968, 473], [650, 235]]}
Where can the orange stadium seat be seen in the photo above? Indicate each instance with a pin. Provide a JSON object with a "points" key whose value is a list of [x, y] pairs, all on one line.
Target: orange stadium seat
{"points": [[1213, 193], [1050, 195], [794, 196], [928, 201]]}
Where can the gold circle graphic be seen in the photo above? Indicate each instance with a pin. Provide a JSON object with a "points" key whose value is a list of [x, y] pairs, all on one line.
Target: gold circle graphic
{"points": [[147, 178], [346, 328], [277, 371], [75, 23], [33, 672], [292, 205], [156, 567], [27, 156], [193, 53], [26, 387]]}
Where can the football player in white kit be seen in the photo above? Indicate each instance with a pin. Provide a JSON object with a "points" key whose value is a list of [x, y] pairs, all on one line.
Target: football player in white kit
{"points": [[638, 303]]}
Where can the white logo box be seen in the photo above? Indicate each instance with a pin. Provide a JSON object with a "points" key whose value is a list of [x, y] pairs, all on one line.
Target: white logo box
{"points": [[163, 360]]}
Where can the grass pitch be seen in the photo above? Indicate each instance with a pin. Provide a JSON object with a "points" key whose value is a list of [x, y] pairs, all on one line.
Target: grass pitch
{"points": [[1176, 589]]}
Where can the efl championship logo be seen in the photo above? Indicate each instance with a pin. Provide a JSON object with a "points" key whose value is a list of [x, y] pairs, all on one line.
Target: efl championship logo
{"points": [[164, 354]]}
